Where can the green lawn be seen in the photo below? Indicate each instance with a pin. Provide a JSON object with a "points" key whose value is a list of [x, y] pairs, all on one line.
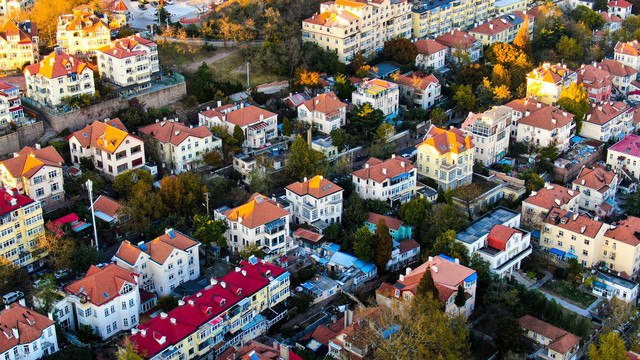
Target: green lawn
{"points": [[228, 69], [570, 292]]}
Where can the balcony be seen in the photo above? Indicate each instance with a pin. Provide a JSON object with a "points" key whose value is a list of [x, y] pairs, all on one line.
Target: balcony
{"points": [[447, 167]]}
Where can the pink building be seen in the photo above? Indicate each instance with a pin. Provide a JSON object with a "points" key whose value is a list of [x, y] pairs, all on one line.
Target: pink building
{"points": [[597, 81]]}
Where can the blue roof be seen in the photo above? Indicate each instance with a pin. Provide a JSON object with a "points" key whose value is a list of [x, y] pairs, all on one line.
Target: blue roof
{"points": [[557, 252], [571, 256], [343, 259], [447, 258], [331, 246], [473, 277]]}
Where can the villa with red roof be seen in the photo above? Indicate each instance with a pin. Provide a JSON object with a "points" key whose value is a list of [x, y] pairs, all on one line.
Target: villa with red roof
{"points": [[490, 132], [107, 209], [462, 42], [35, 172], [620, 8], [609, 120], [624, 156], [423, 91], [128, 61], [121, 16], [229, 312], [258, 125], [261, 223], [82, 32], [503, 29], [597, 187], [430, 54], [628, 53], [547, 126], [498, 239], [596, 81], [26, 334], [447, 273], [163, 263], [521, 108], [316, 202], [19, 44], [560, 344], [308, 239], [380, 94], [536, 207], [181, 147], [391, 180], [622, 74], [620, 245], [547, 81], [326, 111], [446, 156], [111, 148], [106, 299], [57, 76]]}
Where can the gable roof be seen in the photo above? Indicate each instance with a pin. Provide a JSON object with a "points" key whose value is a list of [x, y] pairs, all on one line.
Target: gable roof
{"points": [[392, 223], [630, 145], [444, 141], [107, 205], [248, 115], [120, 6], [102, 285], [428, 47], [125, 47], [627, 231], [526, 104], [456, 39], [619, 3], [28, 161], [550, 73], [603, 113], [158, 249], [307, 235], [11, 199], [500, 235], [417, 82], [27, 322], [617, 68], [258, 211], [550, 196], [105, 136], [549, 118], [493, 27], [10, 29], [407, 245], [561, 341], [574, 222], [317, 186], [328, 104], [173, 132], [595, 178], [57, 64], [379, 170], [628, 48]]}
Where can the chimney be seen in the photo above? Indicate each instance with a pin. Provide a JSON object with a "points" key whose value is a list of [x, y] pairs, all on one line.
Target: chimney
{"points": [[434, 268], [408, 271], [244, 273], [219, 103], [393, 156], [401, 278], [284, 351], [539, 105], [191, 302], [173, 321], [366, 166], [163, 315], [457, 261], [181, 302], [317, 101], [402, 164], [237, 269], [348, 317], [38, 146], [384, 171], [213, 281], [430, 258], [143, 332], [305, 179], [223, 284], [16, 334], [527, 113]]}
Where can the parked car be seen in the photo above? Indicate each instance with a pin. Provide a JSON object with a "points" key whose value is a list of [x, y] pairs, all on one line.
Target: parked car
{"points": [[142, 7], [12, 297], [62, 273]]}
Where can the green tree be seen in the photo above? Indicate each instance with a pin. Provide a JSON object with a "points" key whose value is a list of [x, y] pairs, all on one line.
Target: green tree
{"points": [[303, 161], [209, 232], [438, 116], [344, 87], [287, 127], [549, 152], [446, 244], [123, 183], [128, 352], [400, 50], [12, 274], [355, 210], [464, 98], [86, 164], [46, 293], [414, 212], [143, 206], [365, 121], [533, 181], [601, 5], [364, 246], [212, 158], [83, 258], [427, 287], [570, 51], [461, 297], [340, 138], [252, 250], [260, 181], [167, 303], [383, 245], [184, 194], [468, 194], [631, 204], [238, 135], [508, 335], [588, 17], [610, 347], [575, 100]]}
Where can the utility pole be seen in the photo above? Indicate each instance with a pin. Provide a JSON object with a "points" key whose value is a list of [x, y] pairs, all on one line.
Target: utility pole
{"points": [[248, 70], [206, 198], [89, 185]]}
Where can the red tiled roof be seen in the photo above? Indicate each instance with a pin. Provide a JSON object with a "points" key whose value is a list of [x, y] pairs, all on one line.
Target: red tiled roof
{"points": [[550, 73], [9, 196], [456, 39], [595, 178], [429, 46], [28, 323], [492, 27], [407, 245], [30, 160], [627, 231], [526, 104], [258, 211], [617, 68], [107, 205], [628, 48], [417, 82], [102, 285], [379, 170], [158, 249], [105, 136], [574, 222], [561, 341], [499, 236], [548, 118], [619, 3], [317, 186], [593, 77], [392, 223], [630, 145], [248, 115], [126, 47], [632, 356], [308, 235], [170, 132], [328, 104]]}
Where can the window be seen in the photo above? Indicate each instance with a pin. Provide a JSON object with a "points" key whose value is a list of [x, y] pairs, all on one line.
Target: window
{"points": [[133, 320], [106, 312], [586, 242], [131, 303], [55, 187], [124, 305], [108, 329], [585, 252], [125, 322], [39, 192]]}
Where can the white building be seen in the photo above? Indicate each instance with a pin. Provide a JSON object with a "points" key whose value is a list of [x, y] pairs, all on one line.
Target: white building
{"points": [[110, 147], [36, 173], [163, 263], [624, 156], [421, 91], [258, 125], [181, 147], [597, 187], [326, 111], [106, 299], [609, 285], [628, 53], [620, 8], [11, 102], [431, 54], [497, 238], [521, 108], [260, 222], [394, 179], [622, 74], [609, 120], [317, 202], [536, 207], [547, 81], [58, 76], [547, 126], [128, 61], [491, 133], [460, 45], [18, 44], [380, 94], [26, 334]]}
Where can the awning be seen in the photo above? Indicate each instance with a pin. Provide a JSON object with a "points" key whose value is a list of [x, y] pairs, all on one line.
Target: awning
{"points": [[557, 252], [571, 256]]}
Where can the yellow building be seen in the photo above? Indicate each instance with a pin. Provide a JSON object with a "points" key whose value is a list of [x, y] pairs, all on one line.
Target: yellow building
{"points": [[82, 33], [436, 17], [21, 227], [351, 27], [559, 344], [546, 82], [230, 311], [446, 156], [18, 44], [621, 247]]}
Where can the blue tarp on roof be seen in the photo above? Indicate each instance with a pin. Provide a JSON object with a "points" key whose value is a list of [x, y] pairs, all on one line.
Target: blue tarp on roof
{"points": [[557, 252], [343, 259], [570, 256], [331, 247], [473, 277], [447, 258]]}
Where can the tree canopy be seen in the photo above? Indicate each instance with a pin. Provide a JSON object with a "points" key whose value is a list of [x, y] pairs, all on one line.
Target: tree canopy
{"points": [[303, 161], [364, 246], [575, 100], [610, 347], [383, 245], [400, 50]]}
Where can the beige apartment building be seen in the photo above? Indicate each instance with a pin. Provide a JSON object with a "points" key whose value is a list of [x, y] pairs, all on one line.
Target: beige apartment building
{"points": [[18, 44], [129, 61], [351, 27], [436, 17], [620, 246], [490, 132], [82, 32], [446, 156]]}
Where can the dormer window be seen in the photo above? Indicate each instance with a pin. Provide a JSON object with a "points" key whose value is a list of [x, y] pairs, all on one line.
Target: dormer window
{"points": [[127, 288], [68, 66]]}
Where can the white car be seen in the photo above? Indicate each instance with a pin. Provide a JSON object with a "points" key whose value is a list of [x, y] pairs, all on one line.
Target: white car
{"points": [[12, 297]]}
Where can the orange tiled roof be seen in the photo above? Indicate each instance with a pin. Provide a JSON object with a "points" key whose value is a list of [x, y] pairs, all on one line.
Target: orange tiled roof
{"points": [[548, 118], [561, 341], [102, 285], [105, 136], [379, 170], [595, 178], [258, 211], [628, 48], [550, 196], [317, 186], [444, 141], [29, 160], [417, 82], [574, 222], [550, 73], [107, 205], [57, 64], [429, 46], [328, 104], [248, 115], [457, 39], [526, 104], [603, 113], [10, 28], [170, 132], [27, 322], [627, 231]]}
